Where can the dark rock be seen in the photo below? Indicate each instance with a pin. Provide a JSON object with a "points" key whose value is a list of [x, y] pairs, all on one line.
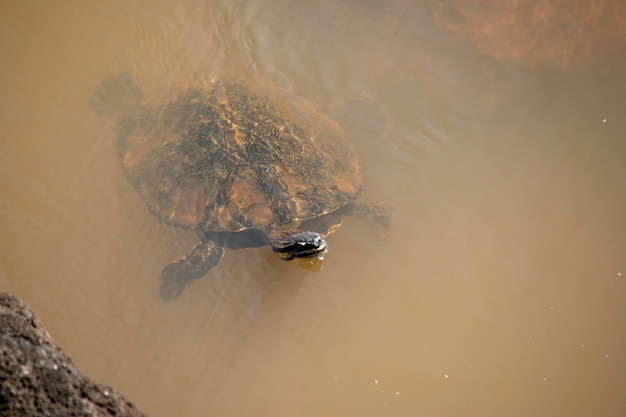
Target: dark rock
{"points": [[38, 379]]}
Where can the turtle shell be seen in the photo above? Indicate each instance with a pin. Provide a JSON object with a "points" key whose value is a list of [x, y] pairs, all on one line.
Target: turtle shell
{"points": [[552, 34], [224, 156]]}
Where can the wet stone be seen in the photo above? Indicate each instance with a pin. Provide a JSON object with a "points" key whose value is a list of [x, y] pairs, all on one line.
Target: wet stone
{"points": [[38, 379]]}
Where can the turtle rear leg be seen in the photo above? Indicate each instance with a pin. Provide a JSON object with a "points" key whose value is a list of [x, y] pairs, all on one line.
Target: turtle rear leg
{"points": [[195, 265], [378, 212]]}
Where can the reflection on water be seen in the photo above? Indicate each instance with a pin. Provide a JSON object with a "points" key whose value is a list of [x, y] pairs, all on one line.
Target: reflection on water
{"points": [[500, 290]]}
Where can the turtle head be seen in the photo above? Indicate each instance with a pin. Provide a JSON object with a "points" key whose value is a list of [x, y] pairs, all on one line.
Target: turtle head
{"points": [[300, 246]]}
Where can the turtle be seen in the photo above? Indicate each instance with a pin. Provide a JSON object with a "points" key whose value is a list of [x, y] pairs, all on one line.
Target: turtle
{"points": [[539, 34], [244, 165]]}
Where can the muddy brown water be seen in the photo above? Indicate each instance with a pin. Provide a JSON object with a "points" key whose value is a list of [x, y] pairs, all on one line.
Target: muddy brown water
{"points": [[500, 289]]}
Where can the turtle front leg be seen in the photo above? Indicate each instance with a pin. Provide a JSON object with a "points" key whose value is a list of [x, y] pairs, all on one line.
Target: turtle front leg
{"points": [[378, 212], [195, 265]]}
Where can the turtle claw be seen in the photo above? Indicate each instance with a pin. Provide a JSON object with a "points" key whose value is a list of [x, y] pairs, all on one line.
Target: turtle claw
{"points": [[176, 275], [378, 212], [172, 284]]}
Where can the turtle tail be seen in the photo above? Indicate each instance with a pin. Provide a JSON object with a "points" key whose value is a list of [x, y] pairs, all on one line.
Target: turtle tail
{"points": [[116, 96]]}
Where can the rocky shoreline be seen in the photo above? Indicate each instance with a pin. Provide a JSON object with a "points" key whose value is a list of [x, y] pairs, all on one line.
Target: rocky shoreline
{"points": [[38, 379]]}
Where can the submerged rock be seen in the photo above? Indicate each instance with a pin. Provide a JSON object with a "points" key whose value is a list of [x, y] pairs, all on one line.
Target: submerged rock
{"points": [[38, 379]]}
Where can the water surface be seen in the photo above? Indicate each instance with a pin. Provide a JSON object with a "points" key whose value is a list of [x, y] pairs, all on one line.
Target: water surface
{"points": [[500, 289]]}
